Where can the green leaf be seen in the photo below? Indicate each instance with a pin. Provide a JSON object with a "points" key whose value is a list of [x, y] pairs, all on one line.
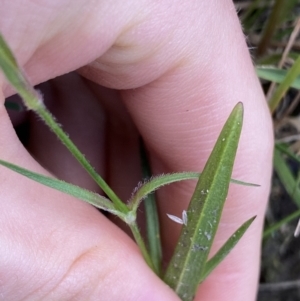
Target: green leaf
{"points": [[11, 70], [284, 148], [281, 90], [161, 180], [186, 267], [226, 248], [286, 177], [279, 224], [275, 75], [152, 219], [70, 189], [289, 182]]}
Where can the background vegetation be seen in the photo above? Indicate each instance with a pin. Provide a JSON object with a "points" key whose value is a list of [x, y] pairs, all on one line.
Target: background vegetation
{"points": [[273, 33]]}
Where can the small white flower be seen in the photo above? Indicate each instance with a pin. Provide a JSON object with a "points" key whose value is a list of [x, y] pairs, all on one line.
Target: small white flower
{"points": [[178, 220]]}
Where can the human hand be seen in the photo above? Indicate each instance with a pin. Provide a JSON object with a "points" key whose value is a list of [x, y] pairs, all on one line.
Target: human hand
{"points": [[180, 69]]}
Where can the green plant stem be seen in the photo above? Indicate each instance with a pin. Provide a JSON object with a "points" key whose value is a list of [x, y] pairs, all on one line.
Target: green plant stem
{"points": [[152, 219], [277, 226], [286, 177], [34, 101], [284, 86], [140, 242], [271, 26], [63, 137]]}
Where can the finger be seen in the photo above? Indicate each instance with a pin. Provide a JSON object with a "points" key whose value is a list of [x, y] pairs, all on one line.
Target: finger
{"points": [[55, 247], [188, 63], [52, 38], [199, 79]]}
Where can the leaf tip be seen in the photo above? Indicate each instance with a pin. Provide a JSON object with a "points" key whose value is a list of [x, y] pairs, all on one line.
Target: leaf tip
{"points": [[251, 220], [239, 108]]}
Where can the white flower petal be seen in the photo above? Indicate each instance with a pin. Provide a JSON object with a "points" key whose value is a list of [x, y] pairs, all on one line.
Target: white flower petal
{"points": [[175, 219], [184, 217]]}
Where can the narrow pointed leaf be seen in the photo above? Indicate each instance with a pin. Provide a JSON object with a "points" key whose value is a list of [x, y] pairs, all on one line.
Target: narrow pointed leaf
{"points": [[284, 148], [152, 219], [6, 54], [158, 181], [275, 75], [286, 176], [73, 190], [283, 87], [11, 70], [271, 229], [204, 212], [225, 249]]}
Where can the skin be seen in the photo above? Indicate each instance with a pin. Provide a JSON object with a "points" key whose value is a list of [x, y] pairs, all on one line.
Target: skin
{"points": [[173, 70]]}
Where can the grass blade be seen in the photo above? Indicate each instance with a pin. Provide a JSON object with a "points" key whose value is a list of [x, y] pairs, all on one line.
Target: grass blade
{"points": [[204, 212], [152, 219], [6, 55], [278, 13], [276, 75], [290, 78], [284, 148], [226, 248], [279, 224], [286, 177], [13, 73], [73, 190]]}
